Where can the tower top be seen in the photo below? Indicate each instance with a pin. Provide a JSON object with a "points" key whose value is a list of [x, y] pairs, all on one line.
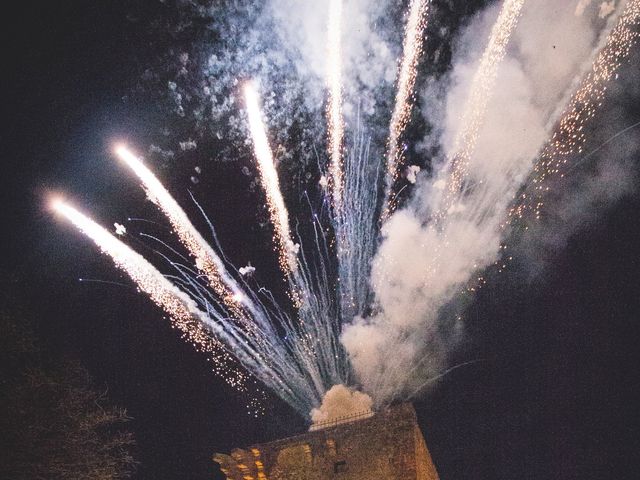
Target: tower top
{"points": [[385, 445]]}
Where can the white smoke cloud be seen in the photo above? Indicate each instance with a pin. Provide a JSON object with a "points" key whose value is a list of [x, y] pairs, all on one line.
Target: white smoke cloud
{"points": [[411, 173], [247, 271], [339, 403], [120, 229], [420, 267]]}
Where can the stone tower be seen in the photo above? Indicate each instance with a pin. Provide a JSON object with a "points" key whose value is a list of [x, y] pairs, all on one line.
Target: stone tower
{"points": [[387, 445]]}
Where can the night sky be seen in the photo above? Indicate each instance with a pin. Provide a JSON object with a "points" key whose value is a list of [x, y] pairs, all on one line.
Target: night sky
{"points": [[554, 396]]}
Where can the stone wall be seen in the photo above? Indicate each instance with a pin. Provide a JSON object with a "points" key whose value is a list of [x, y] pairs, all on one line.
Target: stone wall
{"points": [[386, 446]]}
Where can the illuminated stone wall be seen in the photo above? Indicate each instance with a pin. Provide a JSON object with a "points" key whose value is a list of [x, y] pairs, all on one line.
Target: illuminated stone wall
{"points": [[387, 446]]}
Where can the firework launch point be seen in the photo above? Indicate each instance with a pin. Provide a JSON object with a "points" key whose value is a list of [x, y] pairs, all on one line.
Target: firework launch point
{"points": [[385, 445]]}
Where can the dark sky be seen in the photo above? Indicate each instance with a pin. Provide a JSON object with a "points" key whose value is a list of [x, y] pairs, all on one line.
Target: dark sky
{"points": [[554, 397]]}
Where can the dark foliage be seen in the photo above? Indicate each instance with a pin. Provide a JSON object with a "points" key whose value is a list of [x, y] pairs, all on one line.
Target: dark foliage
{"points": [[55, 424]]}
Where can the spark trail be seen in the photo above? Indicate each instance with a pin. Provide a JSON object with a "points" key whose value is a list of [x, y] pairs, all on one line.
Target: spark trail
{"points": [[351, 178], [480, 94], [287, 250], [309, 291], [183, 311], [281, 365], [355, 225], [411, 52], [335, 120], [206, 259], [569, 137]]}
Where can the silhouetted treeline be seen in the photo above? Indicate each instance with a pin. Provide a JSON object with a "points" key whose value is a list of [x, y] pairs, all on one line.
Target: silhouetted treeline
{"points": [[55, 423]]}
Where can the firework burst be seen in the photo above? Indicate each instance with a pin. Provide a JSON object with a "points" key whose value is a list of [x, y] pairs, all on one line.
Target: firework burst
{"points": [[329, 273]]}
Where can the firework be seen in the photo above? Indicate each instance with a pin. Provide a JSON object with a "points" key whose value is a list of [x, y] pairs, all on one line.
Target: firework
{"points": [[205, 258], [182, 310], [334, 279], [287, 249], [411, 52], [479, 96], [334, 109], [569, 137]]}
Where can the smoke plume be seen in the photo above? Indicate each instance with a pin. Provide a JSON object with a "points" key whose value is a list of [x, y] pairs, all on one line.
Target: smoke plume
{"points": [[425, 269], [339, 403]]}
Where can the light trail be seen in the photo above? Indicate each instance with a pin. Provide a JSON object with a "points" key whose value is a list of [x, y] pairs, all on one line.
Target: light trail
{"points": [[480, 94], [182, 310], [569, 137], [355, 225], [287, 250], [267, 358], [318, 327], [411, 51], [335, 121], [206, 259]]}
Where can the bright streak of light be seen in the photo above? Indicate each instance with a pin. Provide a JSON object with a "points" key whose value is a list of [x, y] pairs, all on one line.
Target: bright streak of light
{"points": [[569, 137], [254, 335], [334, 109], [411, 52], [480, 94], [318, 328], [225, 343], [287, 250], [355, 224], [182, 310], [205, 258]]}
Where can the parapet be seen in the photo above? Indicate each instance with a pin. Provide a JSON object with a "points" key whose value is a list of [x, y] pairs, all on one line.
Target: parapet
{"points": [[384, 445]]}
